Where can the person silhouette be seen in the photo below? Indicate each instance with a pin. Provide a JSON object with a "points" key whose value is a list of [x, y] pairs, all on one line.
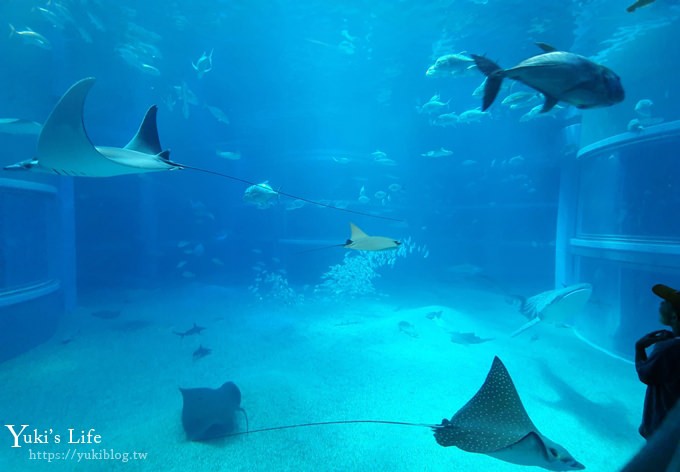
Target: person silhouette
{"points": [[660, 371]]}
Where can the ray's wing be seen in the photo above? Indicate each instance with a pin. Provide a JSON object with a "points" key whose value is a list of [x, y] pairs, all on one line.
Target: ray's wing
{"points": [[64, 146], [146, 140], [356, 233], [492, 420]]}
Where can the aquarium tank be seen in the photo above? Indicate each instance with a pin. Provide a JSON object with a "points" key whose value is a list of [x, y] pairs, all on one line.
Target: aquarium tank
{"points": [[340, 236]]}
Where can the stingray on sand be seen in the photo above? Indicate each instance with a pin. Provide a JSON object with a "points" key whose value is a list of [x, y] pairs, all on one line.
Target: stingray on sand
{"points": [[494, 422], [64, 148], [210, 413]]}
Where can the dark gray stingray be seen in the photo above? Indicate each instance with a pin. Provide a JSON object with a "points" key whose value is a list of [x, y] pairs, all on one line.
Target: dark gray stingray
{"points": [[210, 413], [467, 338], [494, 422]]}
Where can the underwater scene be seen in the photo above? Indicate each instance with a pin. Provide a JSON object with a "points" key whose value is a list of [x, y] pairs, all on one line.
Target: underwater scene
{"points": [[246, 235]]}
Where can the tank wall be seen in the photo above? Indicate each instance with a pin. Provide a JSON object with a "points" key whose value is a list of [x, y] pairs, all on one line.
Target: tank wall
{"points": [[625, 237]]}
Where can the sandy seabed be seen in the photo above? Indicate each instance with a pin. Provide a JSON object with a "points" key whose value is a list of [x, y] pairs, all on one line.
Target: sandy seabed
{"points": [[313, 361]]}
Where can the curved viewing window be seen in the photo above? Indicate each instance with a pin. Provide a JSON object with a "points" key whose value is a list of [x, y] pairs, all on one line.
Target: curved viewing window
{"points": [[29, 243], [627, 187]]}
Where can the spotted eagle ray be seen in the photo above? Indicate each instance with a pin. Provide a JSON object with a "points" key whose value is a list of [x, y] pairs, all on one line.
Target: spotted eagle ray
{"points": [[554, 306], [494, 422], [64, 148]]}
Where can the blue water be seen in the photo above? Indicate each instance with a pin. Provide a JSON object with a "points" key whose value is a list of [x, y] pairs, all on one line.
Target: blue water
{"points": [[310, 94]]}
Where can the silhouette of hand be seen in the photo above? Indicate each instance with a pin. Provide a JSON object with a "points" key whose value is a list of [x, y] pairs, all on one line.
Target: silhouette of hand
{"points": [[653, 338]]}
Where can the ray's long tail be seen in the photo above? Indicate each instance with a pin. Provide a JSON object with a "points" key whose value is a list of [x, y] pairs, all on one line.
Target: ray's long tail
{"points": [[326, 423], [289, 195]]}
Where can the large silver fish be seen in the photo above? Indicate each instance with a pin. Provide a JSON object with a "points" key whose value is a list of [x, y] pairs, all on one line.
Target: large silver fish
{"points": [[559, 76]]}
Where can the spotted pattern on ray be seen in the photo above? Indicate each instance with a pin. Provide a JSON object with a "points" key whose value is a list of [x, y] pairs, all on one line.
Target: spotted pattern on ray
{"points": [[492, 420]]}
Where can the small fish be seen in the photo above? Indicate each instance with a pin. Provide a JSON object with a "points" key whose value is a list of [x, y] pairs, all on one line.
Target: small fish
{"points": [[218, 114], [195, 329], [188, 274], [451, 65], [467, 338], [217, 261], [474, 115], [516, 161], [262, 195], [149, 69], [446, 119], [231, 155], [559, 76], [386, 162], [643, 108], [519, 99], [201, 352], [29, 36], [434, 315], [408, 329], [204, 64], [639, 4], [433, 107], [441, 152]]}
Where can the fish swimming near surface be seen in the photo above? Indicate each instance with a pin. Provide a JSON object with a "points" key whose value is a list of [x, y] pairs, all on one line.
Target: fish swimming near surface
{"points": [[195, 329], [559, 76], [494, 422], [64, 148], [554, 306]]}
